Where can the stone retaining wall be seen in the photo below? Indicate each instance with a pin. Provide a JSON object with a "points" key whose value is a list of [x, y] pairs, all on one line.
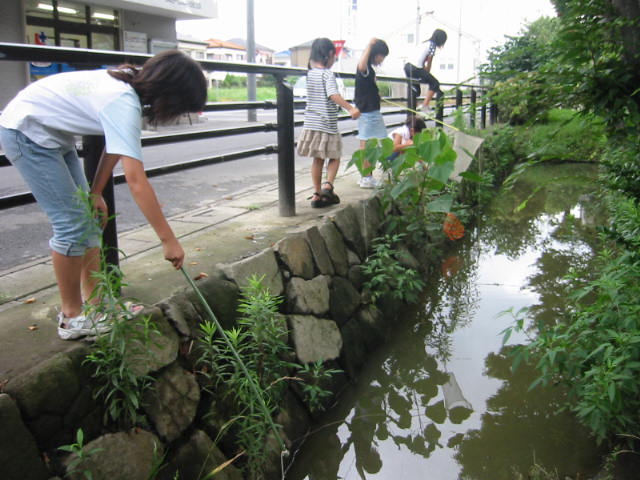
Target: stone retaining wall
{"points": [[316, 271]]}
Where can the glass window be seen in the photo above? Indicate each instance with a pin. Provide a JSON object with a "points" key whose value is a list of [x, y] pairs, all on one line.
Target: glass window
{"points": [[103, 41], [72, 40], [71, 12], [39, 8], [103, 16], [40, 35]]}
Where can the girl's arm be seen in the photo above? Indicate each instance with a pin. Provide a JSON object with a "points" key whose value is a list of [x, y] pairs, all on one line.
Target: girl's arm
{"points": [[145, 198], [427, 63], [398, 145], [102, 176], [338, 100], [363, 64]]}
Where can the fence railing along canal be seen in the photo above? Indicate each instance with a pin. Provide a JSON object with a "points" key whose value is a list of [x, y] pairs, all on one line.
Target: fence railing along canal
{"points": [[284, 105]]}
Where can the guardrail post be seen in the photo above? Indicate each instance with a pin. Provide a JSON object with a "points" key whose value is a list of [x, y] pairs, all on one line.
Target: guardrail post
{"points": [[286, 157], [493, 113], [472, 109], [93, 145], [440, 111], [458, 98], [411, 94], [483, 115]]}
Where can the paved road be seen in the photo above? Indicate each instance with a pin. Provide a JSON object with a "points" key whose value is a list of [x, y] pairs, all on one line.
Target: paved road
{"points": [[25, 231]]}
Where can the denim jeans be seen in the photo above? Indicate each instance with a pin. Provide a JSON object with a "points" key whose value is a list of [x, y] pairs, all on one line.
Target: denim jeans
{"points": [[55, 179]]}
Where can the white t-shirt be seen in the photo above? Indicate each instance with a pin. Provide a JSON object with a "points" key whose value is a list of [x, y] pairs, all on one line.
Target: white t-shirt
{"points": [[428, 51], [51, 111], [402, 131]]}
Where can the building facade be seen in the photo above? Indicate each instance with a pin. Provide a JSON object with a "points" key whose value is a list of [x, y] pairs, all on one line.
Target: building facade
{"points": [[142, 26]]}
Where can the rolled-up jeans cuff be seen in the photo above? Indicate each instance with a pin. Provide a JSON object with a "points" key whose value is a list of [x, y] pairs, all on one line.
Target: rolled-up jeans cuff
{"points": [[74, 249]]}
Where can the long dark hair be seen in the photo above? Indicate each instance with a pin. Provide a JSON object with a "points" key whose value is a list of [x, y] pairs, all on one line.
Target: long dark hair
{"points": [[439, 37], [321, 50], [168, 84]]}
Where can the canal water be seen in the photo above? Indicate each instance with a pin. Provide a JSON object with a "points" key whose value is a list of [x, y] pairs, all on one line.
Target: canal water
{"points": [[439, 400]]}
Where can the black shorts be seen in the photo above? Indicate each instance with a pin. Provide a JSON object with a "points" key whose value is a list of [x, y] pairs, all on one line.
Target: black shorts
{"points": [[420, 74]]}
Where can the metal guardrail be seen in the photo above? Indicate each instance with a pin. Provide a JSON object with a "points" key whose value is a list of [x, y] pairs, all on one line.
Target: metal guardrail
{"points": [[284, 104]]}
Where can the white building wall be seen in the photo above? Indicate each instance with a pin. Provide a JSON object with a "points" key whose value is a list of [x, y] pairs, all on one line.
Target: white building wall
{"points": [[156, 27]]}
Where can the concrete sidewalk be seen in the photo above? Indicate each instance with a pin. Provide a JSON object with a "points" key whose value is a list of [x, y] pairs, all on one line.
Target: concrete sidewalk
{"points": [[220, 232]]}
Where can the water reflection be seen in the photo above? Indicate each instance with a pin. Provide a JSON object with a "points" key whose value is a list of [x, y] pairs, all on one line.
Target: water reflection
{"points": [[440, 401]]}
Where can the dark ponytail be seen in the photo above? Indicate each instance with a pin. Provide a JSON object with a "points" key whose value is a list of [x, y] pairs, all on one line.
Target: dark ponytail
{"points": [[321, 50], [439, 37]]}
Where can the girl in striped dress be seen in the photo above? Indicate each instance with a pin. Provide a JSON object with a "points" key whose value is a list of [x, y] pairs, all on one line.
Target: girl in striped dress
{"points": [[320, 138]]}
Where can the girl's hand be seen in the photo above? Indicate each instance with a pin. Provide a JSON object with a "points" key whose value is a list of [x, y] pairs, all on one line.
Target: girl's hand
{"points": [[173, 252], [354, 112], [100, 208]]}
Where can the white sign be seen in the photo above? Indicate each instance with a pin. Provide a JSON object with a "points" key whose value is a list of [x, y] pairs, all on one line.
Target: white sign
{"points": [[135, 42]]}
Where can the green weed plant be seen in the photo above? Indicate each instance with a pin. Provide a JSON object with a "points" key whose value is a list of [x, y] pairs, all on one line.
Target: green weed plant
{"points": [[79, 456], [387, 276], [260, 342], [416, 186], [596, 351], [118, 386]]}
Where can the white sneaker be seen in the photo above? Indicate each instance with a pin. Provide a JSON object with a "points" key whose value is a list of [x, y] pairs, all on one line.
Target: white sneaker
{"points": [[368, 182], [424, 111], [82, 325]]}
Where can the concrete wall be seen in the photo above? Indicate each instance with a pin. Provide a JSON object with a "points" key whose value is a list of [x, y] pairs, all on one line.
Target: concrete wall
{"points": [[14, 74], [156, 27]]}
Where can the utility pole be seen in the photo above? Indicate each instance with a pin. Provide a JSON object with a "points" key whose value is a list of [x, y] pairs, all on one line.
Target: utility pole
{"points": [[459, 42], [251, 58], [418, 19]]}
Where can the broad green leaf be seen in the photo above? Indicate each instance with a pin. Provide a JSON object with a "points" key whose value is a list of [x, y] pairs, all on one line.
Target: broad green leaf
{"points": [[441, 204], [471, 176], [441, 172], [403, 186]]}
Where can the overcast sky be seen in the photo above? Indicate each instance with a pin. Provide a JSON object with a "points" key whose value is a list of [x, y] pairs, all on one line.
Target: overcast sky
{"points": [[280, 24]]}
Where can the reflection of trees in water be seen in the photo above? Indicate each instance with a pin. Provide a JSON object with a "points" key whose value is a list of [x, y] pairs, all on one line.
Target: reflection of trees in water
{"points": [[542, 190], [395, 397], [450, 301], [514, 414], [390, 405], [513, 424], [571, 247]]}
